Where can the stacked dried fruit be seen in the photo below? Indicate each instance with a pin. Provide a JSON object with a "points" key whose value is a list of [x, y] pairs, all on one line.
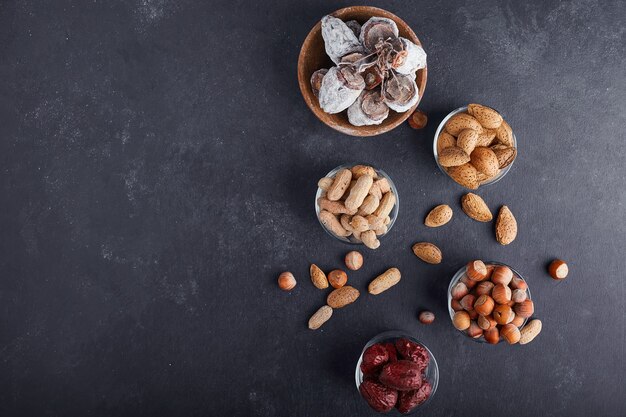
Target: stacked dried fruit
{"points": [[475, 146], [395, 375], [490, 302], [356, 203], [375, 70]]}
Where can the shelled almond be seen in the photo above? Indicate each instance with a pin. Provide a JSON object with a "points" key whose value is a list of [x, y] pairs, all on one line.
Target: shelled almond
{"points": [[356, 204], [475, 146]]}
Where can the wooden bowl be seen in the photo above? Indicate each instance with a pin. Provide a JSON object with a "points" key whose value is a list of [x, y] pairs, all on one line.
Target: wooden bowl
{"points": [[313, 57]]}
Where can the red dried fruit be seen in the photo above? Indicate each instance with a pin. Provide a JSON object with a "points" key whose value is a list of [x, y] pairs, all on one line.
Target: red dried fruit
{"points": [[413, 352], [418, 120], [374, 358], [408, 400], [391, 351], [402, 375], [378, 396]]}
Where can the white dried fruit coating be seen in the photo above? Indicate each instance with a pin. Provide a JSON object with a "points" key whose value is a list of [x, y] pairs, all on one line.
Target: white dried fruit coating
{"points": [[354, 26], [400, 92], [416, 58], [339, 39], [360, 112], [375, 24], [335, 95]]}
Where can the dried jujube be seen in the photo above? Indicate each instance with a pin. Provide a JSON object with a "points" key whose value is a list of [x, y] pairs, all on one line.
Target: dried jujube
{"points": [[378, 396], [400, 92], [376, 29], [413, 352], [391, 351], [414, 60], [374, 358], [402, 375], [340, 88], [408, 400], [339, 39], [368, 109], [316, 80]]}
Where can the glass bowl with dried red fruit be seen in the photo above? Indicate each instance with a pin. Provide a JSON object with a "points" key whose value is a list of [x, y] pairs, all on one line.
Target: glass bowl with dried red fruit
{"points": [[396, 372], [489, 302]]}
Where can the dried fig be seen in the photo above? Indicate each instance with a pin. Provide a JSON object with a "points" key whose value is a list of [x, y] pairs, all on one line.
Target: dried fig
{"points": [[368, 109], [400, 92], [415, 58], [374, 358], [378, 396], [408, 400], [376, 29], [316, 80], [402, 375], [340, 88], [339, 39], [354, 26]]}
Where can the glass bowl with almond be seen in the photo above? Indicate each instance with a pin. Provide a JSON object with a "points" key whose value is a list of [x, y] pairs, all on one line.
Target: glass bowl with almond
{"points": [[489, 302], [474, 146]]}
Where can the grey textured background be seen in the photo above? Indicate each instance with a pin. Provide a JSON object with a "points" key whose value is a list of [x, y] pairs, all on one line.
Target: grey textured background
{"points": [[159, 169]]}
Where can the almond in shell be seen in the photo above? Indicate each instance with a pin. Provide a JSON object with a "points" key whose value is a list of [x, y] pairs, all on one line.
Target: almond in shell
{"points": [[530, 331], [467, 140], [460, 122], [438, 216], [444, 141], [506, 226], [318, 277], [343, 296], [465, 175], [505, 154], [320, 317], [486, 138], [452, 157], [486, 116], [485, 161], [504, 134], [384, 281], [476, 208], [427, 252]]}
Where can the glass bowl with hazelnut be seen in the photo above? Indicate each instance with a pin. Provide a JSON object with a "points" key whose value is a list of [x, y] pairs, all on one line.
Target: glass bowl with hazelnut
{"points": [[396, 371], [489, 302], [373, 211], [506, 154]]}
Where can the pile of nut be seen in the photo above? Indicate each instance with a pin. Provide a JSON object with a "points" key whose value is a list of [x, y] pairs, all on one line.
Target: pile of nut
{"points": [[375, 70], [491, 302], [356, 204], [395, 376], [474, 146]]}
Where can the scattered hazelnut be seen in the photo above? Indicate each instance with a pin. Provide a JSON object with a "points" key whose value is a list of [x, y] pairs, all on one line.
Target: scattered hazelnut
{"points": [[503, 314], [518, 320], [354, 260], [456, 306], [418, 120], [286, 281], [486, 322], [519, 296], [492, 336], [484, 305], [337, 278], [501, 294], [459, 291], [519, 284], [467, 302], [476, 270], [461, 320], [510, 333], [558, 269], [525, 309], [502, 275], [474, 331], [484, 287], [426, 317]]}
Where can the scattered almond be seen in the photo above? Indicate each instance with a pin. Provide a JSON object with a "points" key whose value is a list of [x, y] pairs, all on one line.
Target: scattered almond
{"points": [[506, 226], [475, 207], [343, 296], [427, 252], [383, 282], [318, 277], [320, 317], [438, 216], [530, 331]]}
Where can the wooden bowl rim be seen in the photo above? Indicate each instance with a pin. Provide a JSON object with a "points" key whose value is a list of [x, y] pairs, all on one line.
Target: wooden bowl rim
{"points": [[313, 103]]}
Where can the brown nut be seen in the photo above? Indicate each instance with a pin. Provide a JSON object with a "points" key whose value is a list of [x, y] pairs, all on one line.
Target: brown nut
{"points": [[473, 314], [530, 331], [492, 336], [337, 278], [474, 331], [343, 296], [519, 296], [510, 333], [320, 317], [286, 281], [502, 275], [519, 284], [456, 306], [486, 322], [459, 290], [470, 283], [418, 120], [525, 309], [518, 320], [501, 294], [484, 305], [484, 287], [467, 302], [558, 269], [318, 278], [354, 260], [461, 320], [427, 317], [503, 314], [477, 270]]}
